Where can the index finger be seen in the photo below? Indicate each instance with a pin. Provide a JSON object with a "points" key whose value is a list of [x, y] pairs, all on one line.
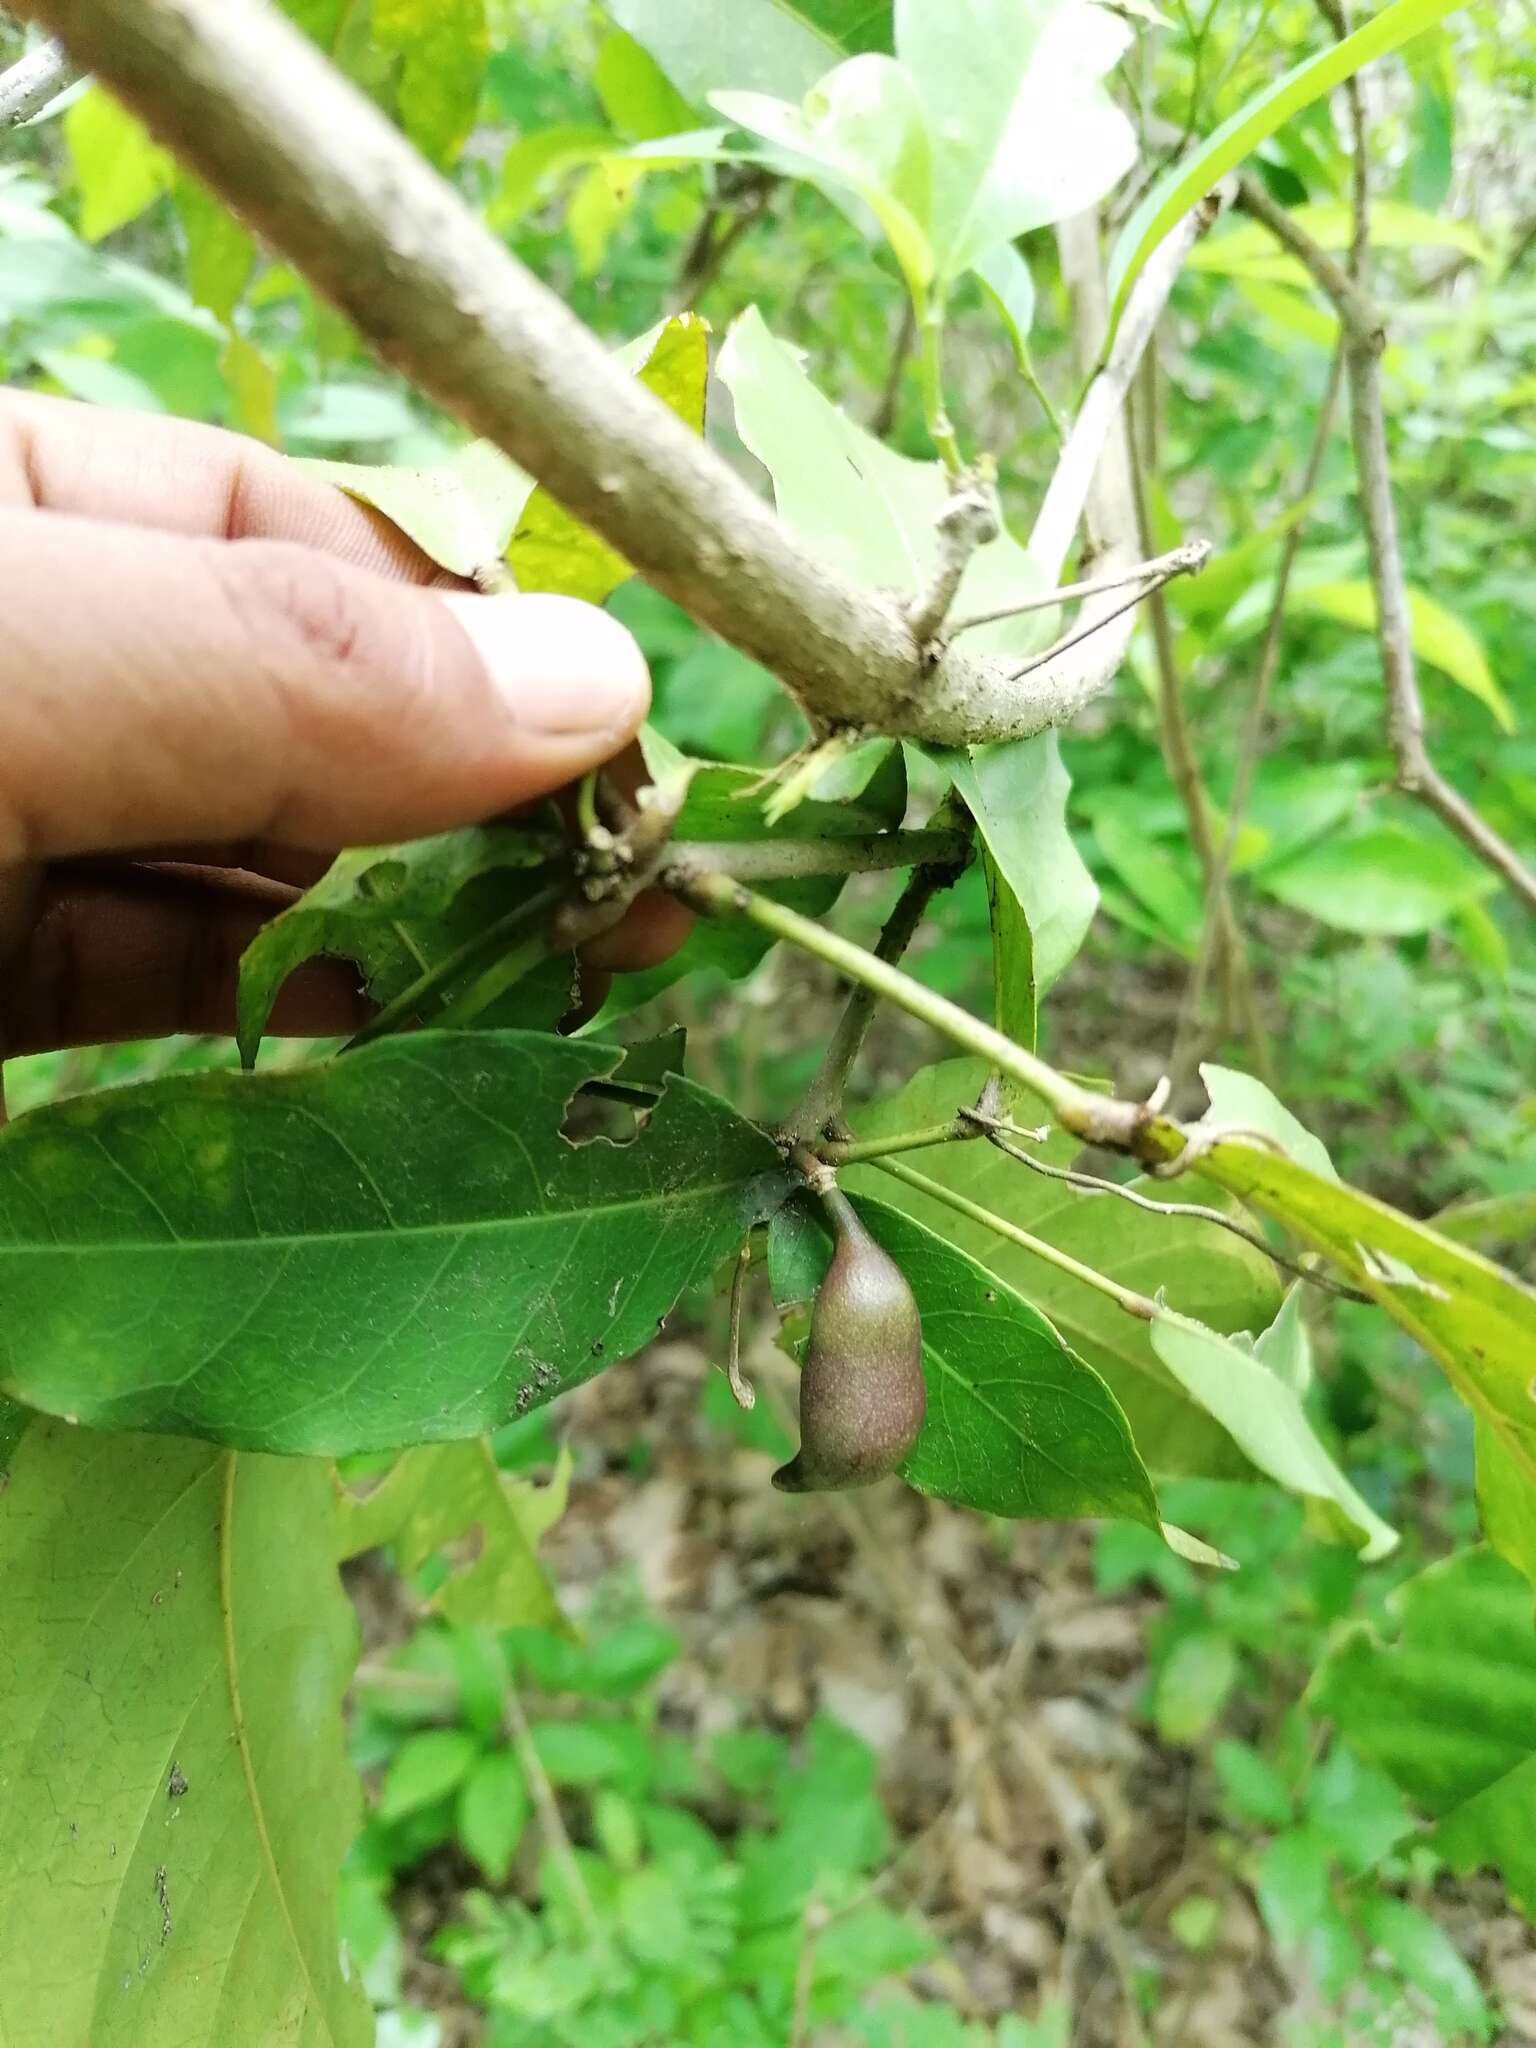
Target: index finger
{"points": [[142, 469]]}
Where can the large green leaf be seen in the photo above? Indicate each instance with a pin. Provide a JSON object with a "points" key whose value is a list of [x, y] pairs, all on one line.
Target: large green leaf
{"points": [[1380, 882], [1023, 132], [397, 1247], [861, 128], [870, 513], [1203, 1271], [394, 910], [1017, 1425], [1448, 1710], [1477, 1320], [777, 46], [174, 1797], [440, 1494], [1187, 182]]}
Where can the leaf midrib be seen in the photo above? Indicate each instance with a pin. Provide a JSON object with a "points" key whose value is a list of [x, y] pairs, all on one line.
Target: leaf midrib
{"points": [[290, 1238]]}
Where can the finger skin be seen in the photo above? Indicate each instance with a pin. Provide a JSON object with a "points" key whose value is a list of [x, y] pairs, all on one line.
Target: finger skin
{"points": [[141, 469], [155, 689]]}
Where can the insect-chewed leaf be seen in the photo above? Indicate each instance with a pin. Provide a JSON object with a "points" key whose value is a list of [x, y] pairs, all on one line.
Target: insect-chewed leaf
{"points": [[393, 910], [435, 1496], [398, 1247], [176, 1795]]}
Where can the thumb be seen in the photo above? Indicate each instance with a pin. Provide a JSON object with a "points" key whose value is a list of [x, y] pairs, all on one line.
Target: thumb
{"points": [[160, 689]]}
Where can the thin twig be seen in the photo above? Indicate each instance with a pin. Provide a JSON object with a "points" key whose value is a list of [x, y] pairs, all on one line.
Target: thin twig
{"points": [[968, 521], [1187, 560], [1090, 1184], [1183, 766], [823, 1099], [1134, 1304], [1251, 747], [883, 418], [31, 82], [1417, 775], [556, 1838]]}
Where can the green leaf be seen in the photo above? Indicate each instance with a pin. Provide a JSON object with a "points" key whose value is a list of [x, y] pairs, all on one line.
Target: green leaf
{"points": [[534, 165], [1448, 1710], [1022, 130], [1009, 284], [1265, 1418], [553, 551], [1193, 1686], [1203, 1270], [176, 1797], [1158, 882], [862, 127], [1254, 1789], [438, 1495], [1239, 1099], [1478, 1321], [777, 46], [397, 1247], [1017, 1425], [394, 911], [442, 46], [493, 1811], [221, 254], [478, 507], [425, 1770], [1186, 183], [1492, 1222], [637, 96], [461, 512], [869, 512], [120, 171], [1017, 793], [1439, 637], [1419, 1949], [1381, 882]]}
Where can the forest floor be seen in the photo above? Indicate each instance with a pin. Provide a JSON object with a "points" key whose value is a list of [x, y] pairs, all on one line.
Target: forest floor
{"points": [[1042, 1831]]}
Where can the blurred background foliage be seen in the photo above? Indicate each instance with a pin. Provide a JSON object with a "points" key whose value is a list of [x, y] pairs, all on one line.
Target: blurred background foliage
{"points": [[606, 1864]]}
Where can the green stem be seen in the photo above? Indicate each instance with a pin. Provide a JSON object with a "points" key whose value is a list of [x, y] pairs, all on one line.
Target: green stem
{"points": [[1098, 1119], [492, 983], [1134, 1304], [409, 1000], [856, 1151]]}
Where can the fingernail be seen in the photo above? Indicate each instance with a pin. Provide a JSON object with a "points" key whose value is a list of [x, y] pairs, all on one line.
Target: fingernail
{"points": [[563, 667]]}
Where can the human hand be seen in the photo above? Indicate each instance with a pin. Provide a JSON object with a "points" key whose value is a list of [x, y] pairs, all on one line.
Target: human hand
{"points": [[214, 674]]}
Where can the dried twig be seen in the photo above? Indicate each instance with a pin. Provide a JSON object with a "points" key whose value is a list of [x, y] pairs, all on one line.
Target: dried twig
{"points": [[1417, 775]]}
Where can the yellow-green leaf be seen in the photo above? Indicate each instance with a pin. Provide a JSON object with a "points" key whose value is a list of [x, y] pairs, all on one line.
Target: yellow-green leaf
{"points": [[119, 169], [554, 551], [1439, 637]]}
